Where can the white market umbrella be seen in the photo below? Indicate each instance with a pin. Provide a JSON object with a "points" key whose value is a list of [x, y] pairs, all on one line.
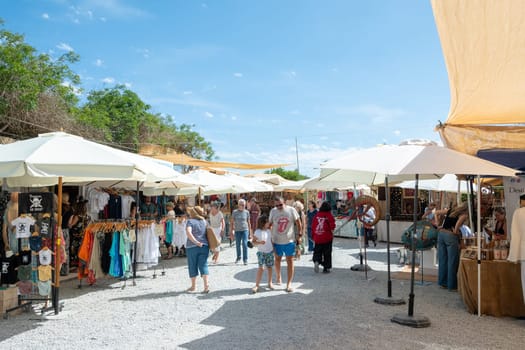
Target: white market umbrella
{"points": [[448, 183], [217, 184], [254, 184], [378, 165], [43, 159]]}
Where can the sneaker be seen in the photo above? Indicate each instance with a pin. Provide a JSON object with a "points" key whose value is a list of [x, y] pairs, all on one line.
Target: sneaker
{"points": [[245, 263], [237, 261], [326, 271], [316, 267]]}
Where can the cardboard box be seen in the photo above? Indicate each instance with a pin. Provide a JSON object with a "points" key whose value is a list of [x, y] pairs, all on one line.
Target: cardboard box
{"points": [[8, 298]]}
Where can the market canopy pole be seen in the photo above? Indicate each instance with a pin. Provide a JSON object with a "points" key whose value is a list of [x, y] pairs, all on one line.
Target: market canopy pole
{"points": [[58, 242], [412, 320], [389, 300]]}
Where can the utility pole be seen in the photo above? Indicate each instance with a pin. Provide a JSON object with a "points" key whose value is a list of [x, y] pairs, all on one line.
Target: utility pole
{"points": [[297, 155]]}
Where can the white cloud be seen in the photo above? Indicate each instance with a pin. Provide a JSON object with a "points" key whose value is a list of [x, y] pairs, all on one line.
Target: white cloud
{"points": [[99, 62], [108, 80], [45, 16], [397, 132], [64, 47], [143, 52], [237, 75], [234, 117], [76, 90], [208, 114], [89, 14], [187, 92], [374, 113], [109, 8], [290, 74], [127, 85]]}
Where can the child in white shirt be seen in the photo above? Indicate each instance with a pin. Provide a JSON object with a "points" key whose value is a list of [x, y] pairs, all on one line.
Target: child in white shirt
{"points": [[262, 238]]}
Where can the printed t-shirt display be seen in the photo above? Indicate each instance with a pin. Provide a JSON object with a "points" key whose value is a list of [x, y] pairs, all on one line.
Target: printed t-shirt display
{"points": [[23, 225]]}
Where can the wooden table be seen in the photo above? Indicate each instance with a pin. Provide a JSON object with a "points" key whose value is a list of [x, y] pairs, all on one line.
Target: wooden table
{"points": [[501, 293]]}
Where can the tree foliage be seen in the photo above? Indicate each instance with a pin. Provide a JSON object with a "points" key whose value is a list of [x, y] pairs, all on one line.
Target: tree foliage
{"points": [[35, 89], [292, 175], [40, 94]]}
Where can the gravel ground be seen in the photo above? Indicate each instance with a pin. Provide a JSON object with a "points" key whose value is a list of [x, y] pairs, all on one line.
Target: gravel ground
{"points": [[326, 311]]}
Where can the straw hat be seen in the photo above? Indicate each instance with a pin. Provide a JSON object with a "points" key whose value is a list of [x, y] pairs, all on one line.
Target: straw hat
{"points": [[196, 212]]}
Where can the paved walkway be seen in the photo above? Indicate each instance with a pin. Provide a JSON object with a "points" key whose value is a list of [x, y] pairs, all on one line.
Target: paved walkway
{"points": [[326, 311]]}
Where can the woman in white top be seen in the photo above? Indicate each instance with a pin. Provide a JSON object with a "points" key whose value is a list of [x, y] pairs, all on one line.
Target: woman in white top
{"points": [[217, 224]]}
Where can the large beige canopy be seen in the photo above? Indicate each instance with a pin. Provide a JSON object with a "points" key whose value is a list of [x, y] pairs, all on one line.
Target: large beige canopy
{"points": [[483, 43], [165, 153]]}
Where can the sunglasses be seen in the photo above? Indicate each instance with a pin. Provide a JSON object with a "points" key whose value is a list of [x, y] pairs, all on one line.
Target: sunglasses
{"points": [[280, 205]]}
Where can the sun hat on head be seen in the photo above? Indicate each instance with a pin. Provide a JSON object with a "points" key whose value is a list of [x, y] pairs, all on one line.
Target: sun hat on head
{"points": [[196, 212]]}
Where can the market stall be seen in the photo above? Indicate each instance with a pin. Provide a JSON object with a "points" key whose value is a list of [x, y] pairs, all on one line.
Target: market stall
{"points": [[501, 295]]}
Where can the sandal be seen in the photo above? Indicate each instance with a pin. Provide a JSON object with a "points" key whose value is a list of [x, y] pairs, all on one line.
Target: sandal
{"points": [[190, 290], [206, 290], [255, 289], [270, 287], [289, 290]]}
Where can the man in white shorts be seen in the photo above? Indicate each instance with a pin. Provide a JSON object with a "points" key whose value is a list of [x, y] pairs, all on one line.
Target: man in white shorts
{"points": [[282, 219]]}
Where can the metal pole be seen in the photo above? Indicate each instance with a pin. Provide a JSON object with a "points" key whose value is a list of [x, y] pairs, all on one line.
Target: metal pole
{"points": [[387, 217], [137, 215], [412, 276], [297, 154]]}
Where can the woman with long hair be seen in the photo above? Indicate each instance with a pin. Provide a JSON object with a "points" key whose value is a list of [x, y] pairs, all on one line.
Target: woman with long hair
{"points": [[448, 246]]}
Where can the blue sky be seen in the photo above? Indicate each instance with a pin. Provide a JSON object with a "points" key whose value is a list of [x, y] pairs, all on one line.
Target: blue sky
{"points": [[253, 76]]}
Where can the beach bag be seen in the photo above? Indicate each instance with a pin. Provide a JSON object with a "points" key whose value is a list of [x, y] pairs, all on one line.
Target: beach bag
{"points": [[213, 241], [426, 236]]}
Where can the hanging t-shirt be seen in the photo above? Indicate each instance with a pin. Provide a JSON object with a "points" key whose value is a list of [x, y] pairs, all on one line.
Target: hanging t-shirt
{"points": [[44, 226], [44, 272], [24, 272], [23, 226], [8, 266], [25, 287], [24, 257], [44, 256], [35, 242], [44, 288]]}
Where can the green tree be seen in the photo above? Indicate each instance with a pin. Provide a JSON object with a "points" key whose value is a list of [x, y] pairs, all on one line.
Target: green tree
{"points": [[121, 117], [117, 113], [292, 175], [35, 89]]}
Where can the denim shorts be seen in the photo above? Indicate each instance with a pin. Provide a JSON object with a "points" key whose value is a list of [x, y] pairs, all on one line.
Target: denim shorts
{"points": [[265, 259], [285, 249]]}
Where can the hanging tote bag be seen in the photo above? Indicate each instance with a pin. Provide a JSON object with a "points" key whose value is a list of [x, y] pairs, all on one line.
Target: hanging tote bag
{"points": [[213, 241]]}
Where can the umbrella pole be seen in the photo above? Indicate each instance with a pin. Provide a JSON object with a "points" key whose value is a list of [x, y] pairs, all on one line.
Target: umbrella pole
{"points": [[388, 300], [137, 215], [55, 300], [479, 246], [416, 321]]}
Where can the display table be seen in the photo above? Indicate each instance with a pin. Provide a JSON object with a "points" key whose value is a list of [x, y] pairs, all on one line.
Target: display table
{"points": [[501, 293], [343, 228]]}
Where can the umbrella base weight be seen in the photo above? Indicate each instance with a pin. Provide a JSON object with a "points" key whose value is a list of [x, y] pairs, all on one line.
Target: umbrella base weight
{"points": [[416, 321], [389, 301], [361, 267]]}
